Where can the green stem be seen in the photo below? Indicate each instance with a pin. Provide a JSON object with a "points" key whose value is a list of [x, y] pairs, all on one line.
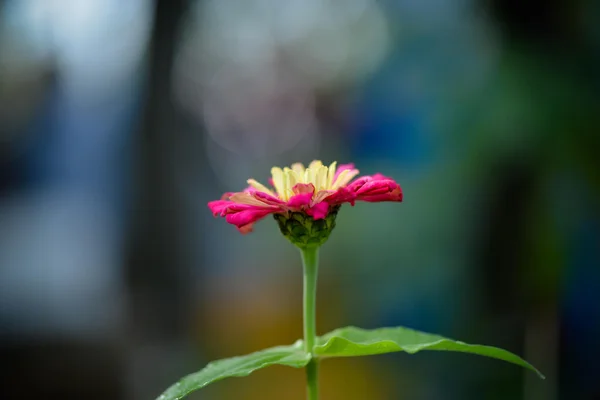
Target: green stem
{"points": [[310, 262]]}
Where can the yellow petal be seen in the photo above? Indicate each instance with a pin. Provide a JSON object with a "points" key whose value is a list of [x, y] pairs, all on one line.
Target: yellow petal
{"points": [[345, 177], [317, 178], [298, 168], [259, 186], [331, 174], [309, 175], [341, 176], [290, 180], [321, 178], [298, 178], [278, 181], [315, 164]]}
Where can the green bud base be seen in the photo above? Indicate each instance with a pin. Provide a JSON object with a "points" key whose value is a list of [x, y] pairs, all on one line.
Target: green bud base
{"points": [[303, 230]]}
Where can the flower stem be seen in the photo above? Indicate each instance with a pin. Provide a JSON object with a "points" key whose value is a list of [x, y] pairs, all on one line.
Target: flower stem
{"points": [[310, 262]]}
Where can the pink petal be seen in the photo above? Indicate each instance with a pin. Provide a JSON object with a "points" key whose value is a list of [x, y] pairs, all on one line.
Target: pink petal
{"points": [[319, 210], [342, 195], [217, 207], [377, 188], [301, 188], [322, 195], [245, 229], [243, 215], [379, 176], [300, 201], [358, 183], [248, 216], [235, 208], [382, 197], [267, 198]]}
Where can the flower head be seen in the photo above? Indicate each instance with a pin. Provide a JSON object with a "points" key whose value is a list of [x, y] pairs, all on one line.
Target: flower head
{"points": [[308, 194]]}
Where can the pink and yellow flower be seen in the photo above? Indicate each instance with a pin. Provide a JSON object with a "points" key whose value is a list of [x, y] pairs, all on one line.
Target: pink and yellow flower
{"points": [[314, 191]]}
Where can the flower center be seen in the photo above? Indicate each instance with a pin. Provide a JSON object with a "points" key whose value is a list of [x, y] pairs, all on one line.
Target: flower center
{"points": [[323, 178]]}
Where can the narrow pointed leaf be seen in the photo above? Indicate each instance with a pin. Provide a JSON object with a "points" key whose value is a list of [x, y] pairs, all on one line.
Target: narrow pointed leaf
{"points": [[292, 356], [352, 341]]}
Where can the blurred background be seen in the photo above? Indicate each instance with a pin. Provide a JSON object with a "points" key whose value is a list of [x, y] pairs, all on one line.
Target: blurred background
{"points": [[120, 120]]}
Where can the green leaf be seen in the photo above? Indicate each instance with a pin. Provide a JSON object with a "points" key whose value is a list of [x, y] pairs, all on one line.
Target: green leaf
{"points": [[343, 342], [352, 341], [292, 356]]}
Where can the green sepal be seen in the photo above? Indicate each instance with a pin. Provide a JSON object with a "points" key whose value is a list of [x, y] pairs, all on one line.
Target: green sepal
{"points": [[303, 230]]}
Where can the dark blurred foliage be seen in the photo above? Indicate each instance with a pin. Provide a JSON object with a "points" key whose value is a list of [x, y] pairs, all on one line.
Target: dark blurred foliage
{"points": [[121, 120]]}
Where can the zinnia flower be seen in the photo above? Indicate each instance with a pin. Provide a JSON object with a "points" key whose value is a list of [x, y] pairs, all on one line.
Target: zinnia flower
{"points": [[308, 194]]}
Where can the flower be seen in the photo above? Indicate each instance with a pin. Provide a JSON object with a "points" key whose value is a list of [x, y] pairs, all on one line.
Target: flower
{"points": [[308, 194]]}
